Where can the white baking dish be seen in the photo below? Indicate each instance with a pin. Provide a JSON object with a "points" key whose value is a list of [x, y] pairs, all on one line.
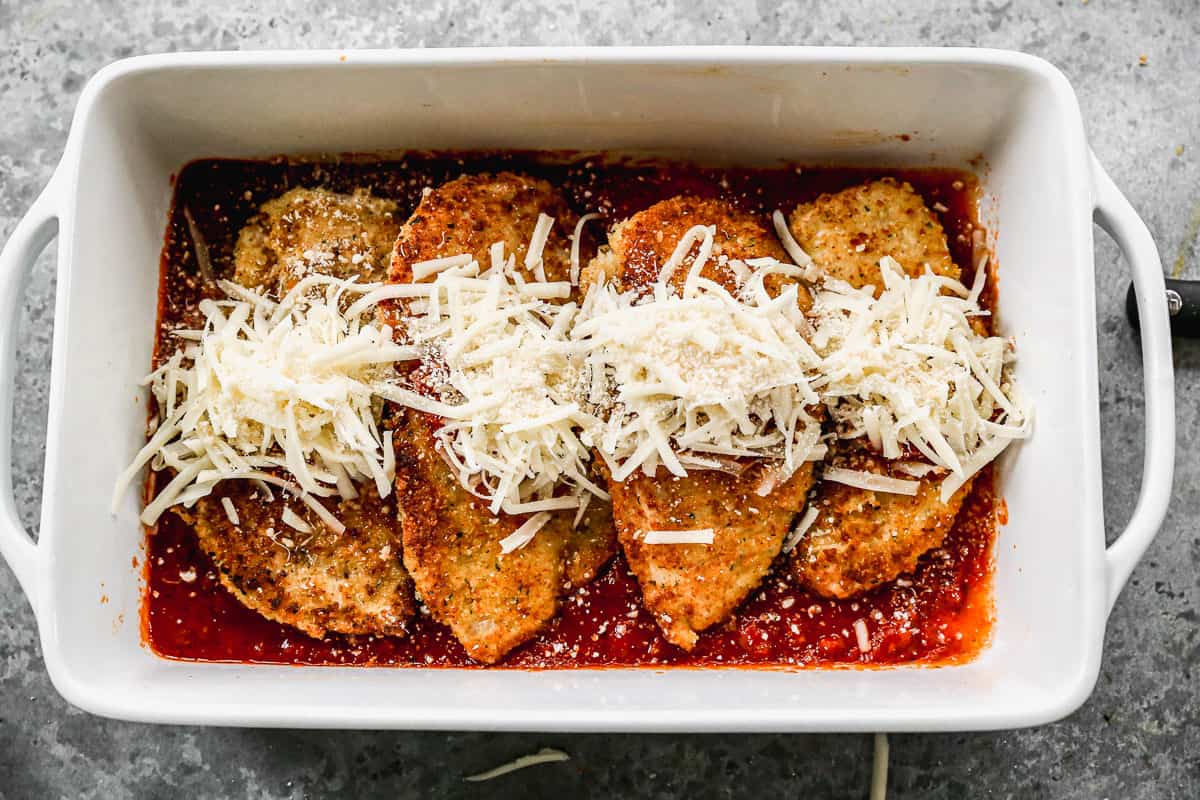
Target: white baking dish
{"points": [[140, 120]]}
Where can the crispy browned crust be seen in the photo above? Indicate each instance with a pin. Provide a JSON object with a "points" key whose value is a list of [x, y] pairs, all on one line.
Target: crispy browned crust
{"points": [[590, 546], [639, 246], [316, 230], [471, 213], [847, 233], [689, 588], [491, 601], [352, 582], [863, 539]]}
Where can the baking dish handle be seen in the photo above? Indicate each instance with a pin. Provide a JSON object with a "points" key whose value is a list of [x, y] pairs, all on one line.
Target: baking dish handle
{"points": [[28, 239], [1115, 215]]}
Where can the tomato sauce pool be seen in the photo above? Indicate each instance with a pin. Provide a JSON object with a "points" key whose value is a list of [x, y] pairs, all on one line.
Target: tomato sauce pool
{"points": [[939, 614]]}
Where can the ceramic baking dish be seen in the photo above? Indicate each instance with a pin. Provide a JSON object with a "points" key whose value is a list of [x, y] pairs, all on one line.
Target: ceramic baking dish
{"points": [[1011, 117]]}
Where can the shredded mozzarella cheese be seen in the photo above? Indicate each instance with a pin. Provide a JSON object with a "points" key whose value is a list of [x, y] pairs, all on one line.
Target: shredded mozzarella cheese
{"points": [[575, 239], [702, 378], [879, 768], [294, 520], [907, 370], [871, 481], [792, 247], [230, 511], [861, 637], [914, 468], [267, 386], [502, 372], [800, 528], [537, 245], [699, 536], [524, 534], [676, 377]]}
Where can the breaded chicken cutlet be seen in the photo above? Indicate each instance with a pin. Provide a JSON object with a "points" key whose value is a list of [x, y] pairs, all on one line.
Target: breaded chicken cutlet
{"points": [[691, 587], [471, 213], [639, 246], [862, 539], [320, 582], [847, 233], [491, 601], [353, 582], [316, 230]]}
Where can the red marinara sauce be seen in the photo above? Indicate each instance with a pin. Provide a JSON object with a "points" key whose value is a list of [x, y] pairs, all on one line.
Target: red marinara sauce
{"points": [[940, 614]]}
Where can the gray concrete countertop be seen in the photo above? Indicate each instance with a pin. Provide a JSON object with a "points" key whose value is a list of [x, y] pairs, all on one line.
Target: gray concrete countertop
{"points": [[1138, 736]]}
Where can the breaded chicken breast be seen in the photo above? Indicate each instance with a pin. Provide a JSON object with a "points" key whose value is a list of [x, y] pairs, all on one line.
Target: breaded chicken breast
{"points": [[492, 602], [863, 539], [471, 213], [353, 582], [316, 230], [318, 582], [690, 587], [848, 232], [639, 246]]}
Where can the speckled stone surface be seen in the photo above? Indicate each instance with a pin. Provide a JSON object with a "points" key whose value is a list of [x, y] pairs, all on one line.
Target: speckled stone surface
{"points": [[1138, 736]]}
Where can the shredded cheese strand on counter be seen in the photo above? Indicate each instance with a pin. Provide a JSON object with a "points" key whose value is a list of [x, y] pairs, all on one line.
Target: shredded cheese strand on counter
{"points": [[908, 372], [547, 755], [677, 379], [879, 768], [268, 386]]}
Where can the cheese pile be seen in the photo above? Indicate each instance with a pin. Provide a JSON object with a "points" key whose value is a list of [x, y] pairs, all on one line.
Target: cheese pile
{"points": [[908, 372], [267, 386], [527, 384], [693, 380], [502, 372]]}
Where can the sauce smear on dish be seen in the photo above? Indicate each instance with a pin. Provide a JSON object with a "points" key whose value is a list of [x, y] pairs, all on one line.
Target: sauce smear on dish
{"points": [[940, 614]]}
